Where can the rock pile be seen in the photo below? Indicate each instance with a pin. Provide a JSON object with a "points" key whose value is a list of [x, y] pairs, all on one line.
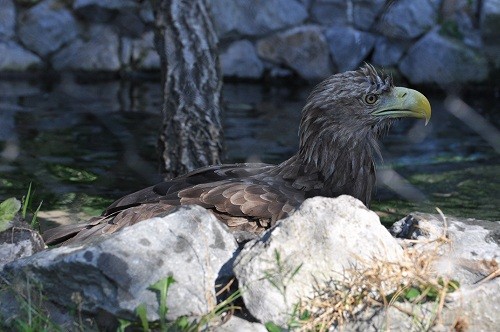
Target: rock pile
{"points": [[328, 249], [428, 41]]}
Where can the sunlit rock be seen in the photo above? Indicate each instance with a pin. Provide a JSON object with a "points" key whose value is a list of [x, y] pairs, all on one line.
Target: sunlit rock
{"points": [[326, 239], [18, 241], [468, 249], [114, 273]]}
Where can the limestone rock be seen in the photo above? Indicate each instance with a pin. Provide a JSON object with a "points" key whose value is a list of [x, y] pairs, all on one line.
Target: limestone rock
{"points": [[7, 19], [16, 58], [304, 49], [468, 251], [322, 241], [114, 272], [99, 51], [477, 306], [19, 241], [47, 26], [240, 60], [253, 18], [473, 251], [407, 19], [360, 13], [442, 60], [349, 47], [238, 324]]}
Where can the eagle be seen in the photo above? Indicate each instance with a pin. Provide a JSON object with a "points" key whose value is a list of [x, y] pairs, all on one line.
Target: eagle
{"points": [[338, 141]]}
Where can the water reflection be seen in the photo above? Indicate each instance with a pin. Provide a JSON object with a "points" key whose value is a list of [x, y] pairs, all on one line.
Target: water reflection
{"points": [[81, 141]]}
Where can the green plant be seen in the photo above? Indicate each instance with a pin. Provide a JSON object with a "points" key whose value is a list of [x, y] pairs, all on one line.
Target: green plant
{"points": [[31, 314], [26, 204], [182, 323], [8, 210], [162, 287], [282, 274]]}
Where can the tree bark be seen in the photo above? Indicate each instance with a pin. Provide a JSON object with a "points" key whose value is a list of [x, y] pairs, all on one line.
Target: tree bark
{"points": [[186, 41]]}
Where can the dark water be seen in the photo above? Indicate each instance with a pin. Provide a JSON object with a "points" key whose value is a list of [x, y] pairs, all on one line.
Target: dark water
{"points": [[84, 144]]}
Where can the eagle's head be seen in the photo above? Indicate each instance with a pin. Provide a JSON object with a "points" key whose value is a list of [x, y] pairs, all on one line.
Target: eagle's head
{"points": [[358, 104], [341, 121]]}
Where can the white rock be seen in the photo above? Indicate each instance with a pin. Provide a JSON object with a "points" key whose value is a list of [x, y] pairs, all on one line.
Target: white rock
{"points": [[114, 272], [325, 239]]}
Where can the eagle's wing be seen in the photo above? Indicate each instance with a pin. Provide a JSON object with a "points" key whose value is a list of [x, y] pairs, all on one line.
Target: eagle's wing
{"points": [[235, 193]]}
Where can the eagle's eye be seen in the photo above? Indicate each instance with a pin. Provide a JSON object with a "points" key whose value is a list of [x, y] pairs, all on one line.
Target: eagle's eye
{"points": [[371, 99]]}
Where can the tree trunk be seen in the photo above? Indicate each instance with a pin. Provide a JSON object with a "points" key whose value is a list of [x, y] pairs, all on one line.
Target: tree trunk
{"points": [[186, 41]]}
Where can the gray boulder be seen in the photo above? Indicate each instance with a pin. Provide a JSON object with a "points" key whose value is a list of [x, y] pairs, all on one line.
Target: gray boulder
{"points": [[16, 58], [7, 19], [470, 308], [466, 250], [254, 18], [442, 60], [349, 47], [114, 272], [238, 324], [304, 49], [388, 52], [47, 26], [490, 27], [325, 240], [407, 19], [101, 10], [360, 13], [490, 18], [471, 253], [143, 53], [99, 50], [19, 241], [240, 60]]}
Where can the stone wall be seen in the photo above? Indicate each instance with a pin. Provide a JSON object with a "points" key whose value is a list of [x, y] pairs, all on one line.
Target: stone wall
{"points": [[427, 41]]}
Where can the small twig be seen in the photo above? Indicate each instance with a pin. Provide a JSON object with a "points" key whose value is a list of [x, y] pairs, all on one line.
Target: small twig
{"points": [[492, 275], [225, 288]]}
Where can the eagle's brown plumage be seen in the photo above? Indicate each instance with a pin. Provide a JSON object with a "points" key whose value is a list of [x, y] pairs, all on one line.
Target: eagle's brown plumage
{"points": [[341, 121]]}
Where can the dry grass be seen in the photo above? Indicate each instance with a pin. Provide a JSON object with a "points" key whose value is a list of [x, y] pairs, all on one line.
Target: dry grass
{"points": [[381, 285]]}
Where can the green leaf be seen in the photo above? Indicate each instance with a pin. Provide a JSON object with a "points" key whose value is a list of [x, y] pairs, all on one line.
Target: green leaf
{"points": [[182, 323], [453, 285], [271, 327], [8, 210], [162, 286], [142, 312], [433, 293], [412, 293], [123, 324]]}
